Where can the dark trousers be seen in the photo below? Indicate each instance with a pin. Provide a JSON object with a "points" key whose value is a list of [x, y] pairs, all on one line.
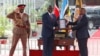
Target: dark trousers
{"points": [[83, 46], [48, 45]]}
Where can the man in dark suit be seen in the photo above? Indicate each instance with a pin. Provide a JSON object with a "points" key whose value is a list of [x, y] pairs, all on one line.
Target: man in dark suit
{"points": [[49, 22], [82, 34]]}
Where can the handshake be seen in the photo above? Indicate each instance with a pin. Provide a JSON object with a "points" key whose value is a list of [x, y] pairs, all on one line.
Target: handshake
{"points": [[69, 27]]}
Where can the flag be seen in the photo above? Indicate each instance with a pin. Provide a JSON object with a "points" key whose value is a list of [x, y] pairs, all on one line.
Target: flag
{"points": [[64, 9], [56, 9], [79, 3], [67, 12], [77, 11]]}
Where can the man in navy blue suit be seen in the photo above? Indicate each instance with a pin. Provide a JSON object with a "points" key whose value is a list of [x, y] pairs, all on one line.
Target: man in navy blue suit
{"points": [[82, 34], [49, 22]]}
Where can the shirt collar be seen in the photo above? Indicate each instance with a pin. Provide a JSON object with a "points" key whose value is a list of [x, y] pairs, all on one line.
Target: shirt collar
{"points": [[49, 13]]}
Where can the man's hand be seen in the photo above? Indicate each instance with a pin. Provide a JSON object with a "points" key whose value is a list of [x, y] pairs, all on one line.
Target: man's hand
{"points": [[70, 28], [67, 21], [28, 32], [16, 10]]}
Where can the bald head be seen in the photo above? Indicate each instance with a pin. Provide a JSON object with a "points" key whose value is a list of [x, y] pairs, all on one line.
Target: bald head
{"points": [[50, 9]]}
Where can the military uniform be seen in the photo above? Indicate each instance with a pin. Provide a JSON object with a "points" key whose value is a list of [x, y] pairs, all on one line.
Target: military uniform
{"points": [[21, 24]]}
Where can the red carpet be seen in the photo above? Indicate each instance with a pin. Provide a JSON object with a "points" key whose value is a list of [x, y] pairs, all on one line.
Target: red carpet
{"points": [[96, 34], [55, 53]]}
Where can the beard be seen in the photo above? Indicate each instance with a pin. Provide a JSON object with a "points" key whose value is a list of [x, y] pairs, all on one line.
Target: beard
{"points": [[21, 11]]}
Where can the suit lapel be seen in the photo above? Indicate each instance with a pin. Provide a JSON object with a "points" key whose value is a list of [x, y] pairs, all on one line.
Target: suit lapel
{"points": [[80, 18], [49, 18]]}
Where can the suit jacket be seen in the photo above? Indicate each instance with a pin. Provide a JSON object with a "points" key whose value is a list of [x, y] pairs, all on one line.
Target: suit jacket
{"points": [[81, 27], [48, 24]]}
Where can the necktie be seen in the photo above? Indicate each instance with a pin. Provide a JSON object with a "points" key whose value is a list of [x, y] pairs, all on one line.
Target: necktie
{"points": [[51, 16]]}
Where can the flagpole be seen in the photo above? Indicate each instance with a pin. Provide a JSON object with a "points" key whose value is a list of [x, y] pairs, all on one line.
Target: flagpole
{"points": [[54, 2]]}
